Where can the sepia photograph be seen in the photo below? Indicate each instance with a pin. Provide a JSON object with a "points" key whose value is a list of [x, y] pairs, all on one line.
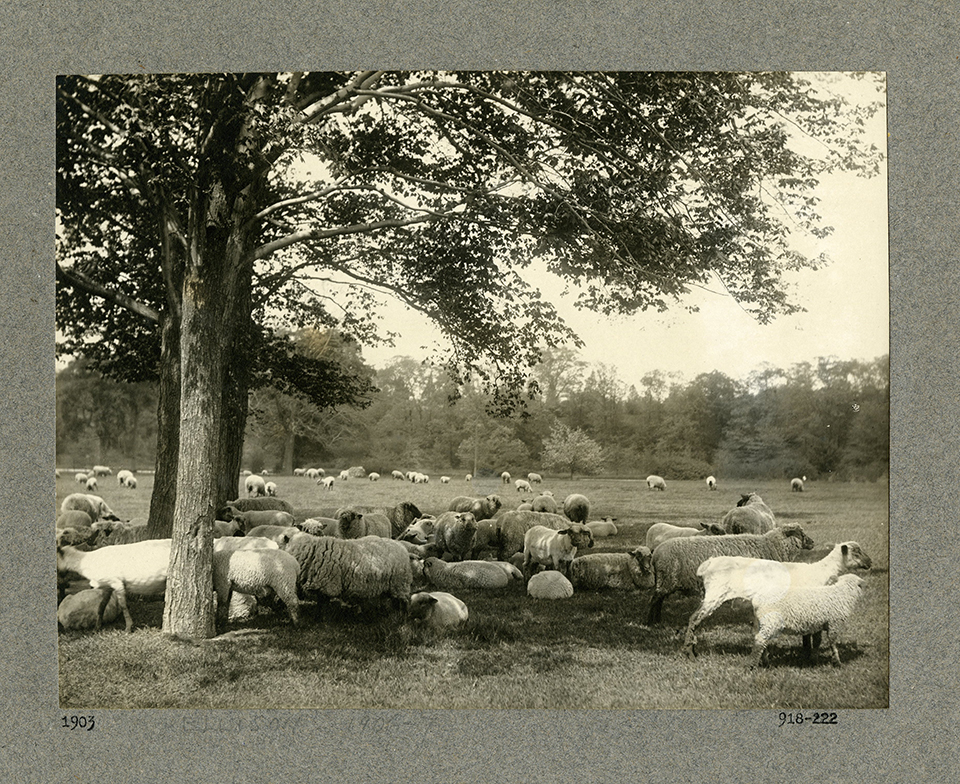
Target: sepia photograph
{"points": [[487, 389]]}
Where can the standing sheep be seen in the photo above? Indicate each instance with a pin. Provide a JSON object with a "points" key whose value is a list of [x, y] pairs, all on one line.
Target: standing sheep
{"points": [[261, 573], [576, 507], [102, 470], [511, 527], [91, 484], [123, 475], [271, 489], [616, 571], [253, 518], [456, 533], [281, 534], [711, 483], [255, 486], [534, 479], [255, 505], [658, 533], [374, 476], [750, 516], [437, 610], [796, 484], [546, 547], [480, 508], [523, 486], [655, 482], [505, 477], [80, 477], [93, 505], [544, 503], [675, 562], [354, 524]]}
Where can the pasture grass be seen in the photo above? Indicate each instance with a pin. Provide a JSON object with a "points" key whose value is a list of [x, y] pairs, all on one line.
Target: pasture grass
{"points": [[591, 651]]}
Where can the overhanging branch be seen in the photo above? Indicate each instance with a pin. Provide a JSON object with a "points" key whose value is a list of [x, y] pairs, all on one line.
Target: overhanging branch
{"points": [[79, 280]]}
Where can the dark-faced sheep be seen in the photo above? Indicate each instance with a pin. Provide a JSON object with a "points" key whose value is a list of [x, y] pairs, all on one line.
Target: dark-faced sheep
{"points": [[750, 516], [455, 533], [577, 508], [613, 571]]}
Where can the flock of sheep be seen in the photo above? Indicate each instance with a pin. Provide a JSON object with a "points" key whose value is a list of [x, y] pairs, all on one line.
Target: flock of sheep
{"points": [[415, 563]]}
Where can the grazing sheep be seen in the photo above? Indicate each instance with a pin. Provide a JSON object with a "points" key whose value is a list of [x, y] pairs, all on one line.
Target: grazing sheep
{"points": [[354, 524], [505, 477], [468, 478], [74, 518], [352, 569], [711, 483], [92, 484], [617, 571], [675, 562], [549, 548], [398, 475], [513, 526], [374, 476], [549, 585], [271, 489], [603, 527], [576, 507], [102, 470], [655, 482], [523, 486], [123, 476], [806, 611], [534, 479], [139, 568], [80, 610], [444, 480], [420, 479], [736, 577], [261, 573], [750, 516], [455, 533], [255, 505], [796, 485], [255, 486], [253, 518], [344, 475], [464, 574], [544, 503], [658, 533], [327, 482], [131, 483], [80, 477], [437, 610], [93, 505], [299, 471], [281, 534], [312, 473]]}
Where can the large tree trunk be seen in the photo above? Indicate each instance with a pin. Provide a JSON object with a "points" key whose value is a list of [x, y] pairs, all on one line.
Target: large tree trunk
{"points": [[233, 425], [160, 523]]}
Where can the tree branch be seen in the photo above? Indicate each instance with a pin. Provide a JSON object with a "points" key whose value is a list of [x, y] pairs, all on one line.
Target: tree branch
{"points": [[77, 279]]}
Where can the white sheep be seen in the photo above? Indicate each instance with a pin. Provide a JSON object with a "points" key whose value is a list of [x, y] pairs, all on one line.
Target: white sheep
{"points": [[254, 517], [711, 483], [549, 585], [468, 478], [576, 507], [244, 543], [80, 477], [354, 524], [465, 574], [549, 548], [444, 480], [617, 571], [420, 531], [534, 479], [374, 476], [91, 484], [398, 475], [544, 503], [327, 482], [81, 610], [420, 478], [655, 482], [658, 533], [281, 534], [255, 486], [299, 471], [140, 568], [344, 475], [123, 475], [806, 611], [131, 483], [93, 505], [437, 610], [675, 562], [511, 527], [102, 470], [796, 485], [312, 473], [737, 577], [603, 528], [271, 489], [262, 573], [505, 477], [750, 516], [523, 486]]}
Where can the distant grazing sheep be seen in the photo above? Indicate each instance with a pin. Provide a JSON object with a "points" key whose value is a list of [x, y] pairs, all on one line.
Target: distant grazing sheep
{"points": [[796, 485], [615, 571], [260, 573], [468, 478], [464, 574], [711, 483], [675, 562], [553, 549], [312, 473], [398, 475], [344, 475], [576, 507], [299, 471], [123, 475], [373, 476], [505, 477], [92, 484], [750, 516], [655, 482], [255, 486], [444, 480], [102, 470], [523, 486], [661, 532], [80, 477], [534, 479], [327, 482], [271, 489], [549, 585], [437, 610]]}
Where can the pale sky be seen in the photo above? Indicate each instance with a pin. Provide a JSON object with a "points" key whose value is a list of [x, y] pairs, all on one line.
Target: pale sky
{"points": [[847, 304]]}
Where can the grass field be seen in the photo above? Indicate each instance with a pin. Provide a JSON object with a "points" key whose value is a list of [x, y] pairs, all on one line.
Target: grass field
{"points": [[591, 651]]}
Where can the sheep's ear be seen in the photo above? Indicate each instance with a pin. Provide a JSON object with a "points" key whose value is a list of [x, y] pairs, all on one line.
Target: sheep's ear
{"points": [[844, 550], [432, 599]]}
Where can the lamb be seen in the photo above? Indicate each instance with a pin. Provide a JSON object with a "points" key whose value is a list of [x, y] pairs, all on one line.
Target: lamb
{"points": [[271, 489], [711, 483], [544, 503], [505, 477], [352, 569], [456, 533], [253, 518], [74, 518], [255, 505], [437, 610], [736, 577], [281, 534], [675, 562], [513, 526], [806, 611], [354, 524], [603, 528], [658, 533], [255, 486], [750, 516], [464, 574], [80, 610], [140, 568], [617, 571], [549, 548], [534, 479], [549, 585], [261, 573], [327, 482], [523, 486], [93, 505], [796, 485], [655, 482], [91, 484], [576, 507]]}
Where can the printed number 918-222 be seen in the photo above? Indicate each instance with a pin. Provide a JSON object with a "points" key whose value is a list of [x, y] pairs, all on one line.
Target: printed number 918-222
{"points": [[815, 718]]}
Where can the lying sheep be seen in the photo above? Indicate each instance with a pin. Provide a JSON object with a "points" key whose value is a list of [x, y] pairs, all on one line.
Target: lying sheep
{"points": [[549, 585], [737, 577], [655, 482], [81, 610], [750, 516], [352, 569], [480, 508], [711, 483], [603, 528], [661, 532], [255, 486], [523, 486], [576, 507], [553, 549], [419, 531], [261, 573], [93, 505], [281, 534], [253, 518], [464, 574], [616, 571], [139, 568], [455, 533], [806, 611], [437, 610], [526, 506], [74, 518], [354, 524], [76, 535], [544, 503], [262, 504], [675, 562], [796, 485]]}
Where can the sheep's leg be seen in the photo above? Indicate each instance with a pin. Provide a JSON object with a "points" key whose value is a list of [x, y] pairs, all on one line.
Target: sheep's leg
{"points": [[122, 601], [708, 606], [107, 592]]}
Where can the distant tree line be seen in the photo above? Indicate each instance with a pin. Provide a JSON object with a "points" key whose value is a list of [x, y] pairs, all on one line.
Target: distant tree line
{"points": [[828, 419]]}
